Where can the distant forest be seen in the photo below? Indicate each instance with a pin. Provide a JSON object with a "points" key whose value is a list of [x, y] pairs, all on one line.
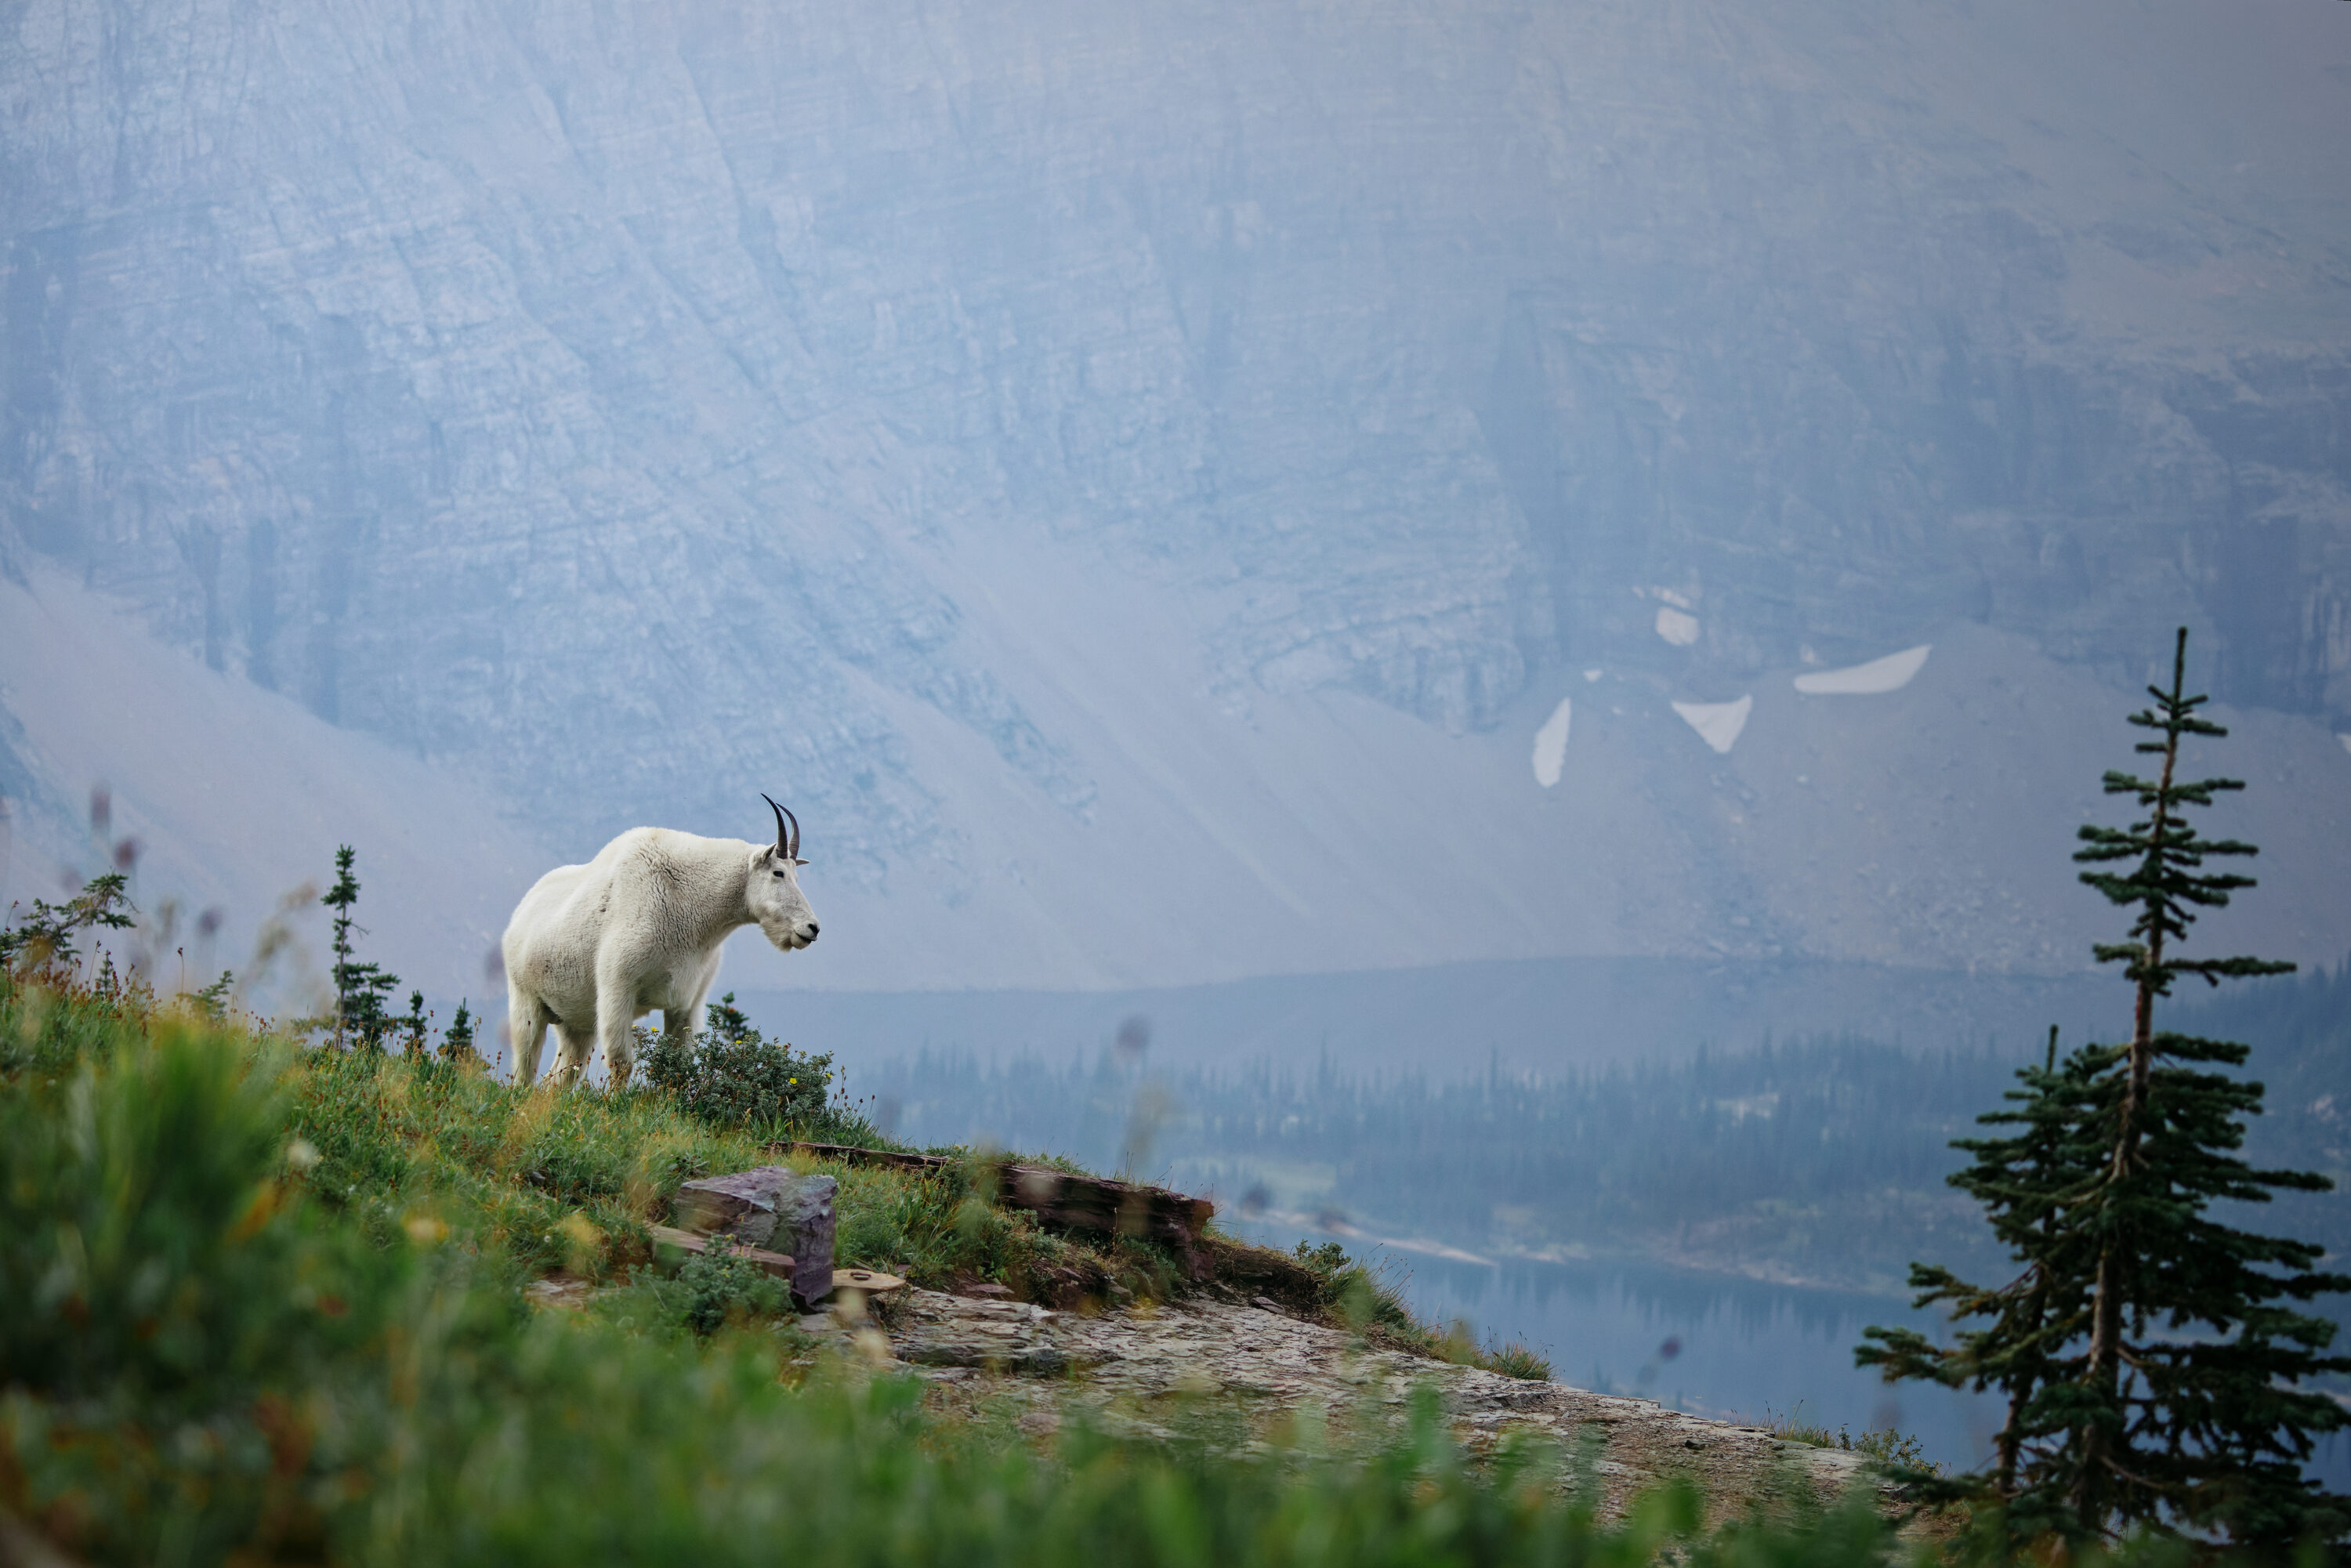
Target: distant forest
{"points": [[1818, 1159]]}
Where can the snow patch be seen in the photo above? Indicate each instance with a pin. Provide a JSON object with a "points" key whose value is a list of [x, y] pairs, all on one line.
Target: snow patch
{"points": [[1890, 673], [2345, 739], [1595, 675], [1550, 744], [1676, 627], [1717, 724]]}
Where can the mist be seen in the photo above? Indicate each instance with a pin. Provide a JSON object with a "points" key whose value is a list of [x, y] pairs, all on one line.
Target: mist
{"points": [[1420, 544]]}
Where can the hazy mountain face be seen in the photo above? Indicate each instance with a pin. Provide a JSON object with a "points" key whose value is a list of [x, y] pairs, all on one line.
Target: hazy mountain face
{"points": [[1128, 473]]}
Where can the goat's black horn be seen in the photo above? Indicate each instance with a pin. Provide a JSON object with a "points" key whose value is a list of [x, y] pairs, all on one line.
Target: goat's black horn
{"points": [[788, 844]]}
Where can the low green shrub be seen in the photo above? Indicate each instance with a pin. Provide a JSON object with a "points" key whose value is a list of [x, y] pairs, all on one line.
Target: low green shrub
{"points": [[1370, 1301], [722, 1288], [1793, 1427], [1513, 1358], [1892, 1450], [43, 944], [1885, 1446], [731, 1076]]}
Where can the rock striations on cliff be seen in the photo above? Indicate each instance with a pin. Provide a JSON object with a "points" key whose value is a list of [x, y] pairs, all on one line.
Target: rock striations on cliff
{"points": [[1129, 475]]}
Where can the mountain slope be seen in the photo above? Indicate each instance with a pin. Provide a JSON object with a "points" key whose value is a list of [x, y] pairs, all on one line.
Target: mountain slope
{"points": [[1137, 481]]}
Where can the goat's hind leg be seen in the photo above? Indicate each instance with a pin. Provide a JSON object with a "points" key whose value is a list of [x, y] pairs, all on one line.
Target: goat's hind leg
{"points": [[526, 1024], [572, 1045]]}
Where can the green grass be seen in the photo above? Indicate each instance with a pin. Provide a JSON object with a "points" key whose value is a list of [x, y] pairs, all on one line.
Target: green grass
{"points": [[261, 1304], [542, 1181], [1793, 1427], [1370, 1299], [1514, 1359]]}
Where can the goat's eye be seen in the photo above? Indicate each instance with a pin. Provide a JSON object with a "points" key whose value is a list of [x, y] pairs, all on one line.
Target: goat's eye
{"points": [[776, 873]]}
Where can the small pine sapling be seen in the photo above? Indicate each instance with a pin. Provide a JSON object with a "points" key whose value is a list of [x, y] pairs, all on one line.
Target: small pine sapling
{"points": [[2025, 1182], [413, 1025], [212, 1002], [361, 990], [458, 1045]]}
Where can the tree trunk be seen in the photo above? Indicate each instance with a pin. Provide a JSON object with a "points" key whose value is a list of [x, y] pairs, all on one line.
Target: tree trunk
{"points": [[2104, 1373]]}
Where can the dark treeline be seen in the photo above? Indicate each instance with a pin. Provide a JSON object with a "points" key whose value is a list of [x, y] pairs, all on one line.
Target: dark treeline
{"points": [[1821, 1158], [1791, 1153]]}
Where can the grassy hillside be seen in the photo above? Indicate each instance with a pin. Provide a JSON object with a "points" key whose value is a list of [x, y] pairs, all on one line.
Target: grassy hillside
{"points": [[261, 1303]]}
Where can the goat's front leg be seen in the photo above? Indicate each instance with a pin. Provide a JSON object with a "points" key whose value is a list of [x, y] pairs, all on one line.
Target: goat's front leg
{"points": [[615, 1013], [680, 1025]]}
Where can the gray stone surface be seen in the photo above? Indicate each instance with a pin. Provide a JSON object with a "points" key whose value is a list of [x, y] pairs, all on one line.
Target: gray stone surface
{"points": [[804, 1228], [1139, 1371], [741, 1204], [768, 1206]]}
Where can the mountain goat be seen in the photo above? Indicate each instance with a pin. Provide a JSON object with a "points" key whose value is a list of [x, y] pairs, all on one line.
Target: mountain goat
{"points": [[592, 948]]}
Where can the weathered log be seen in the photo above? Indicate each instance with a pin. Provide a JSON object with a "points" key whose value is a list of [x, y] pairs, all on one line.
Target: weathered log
{"points": [[770, 1206], [774, 1263], [1121, 1209], [849, 1155], [1063, 1197]]}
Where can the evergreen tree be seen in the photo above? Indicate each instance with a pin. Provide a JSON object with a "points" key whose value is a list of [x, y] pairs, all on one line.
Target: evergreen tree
{"points": [[412, 1027], [2147, 1351], [361, 990], [458, 1045], [213, 1000], [2025, 1183]]}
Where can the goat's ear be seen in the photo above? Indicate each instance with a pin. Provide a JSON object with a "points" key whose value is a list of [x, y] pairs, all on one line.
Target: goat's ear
{"points": [[763, 855]]}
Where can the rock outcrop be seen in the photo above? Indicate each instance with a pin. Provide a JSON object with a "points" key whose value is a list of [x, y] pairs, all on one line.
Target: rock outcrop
{"points": [[1142, 1371]]}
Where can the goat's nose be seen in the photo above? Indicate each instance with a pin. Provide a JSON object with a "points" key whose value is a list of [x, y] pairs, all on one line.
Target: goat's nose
{"points": [[811, 930]]}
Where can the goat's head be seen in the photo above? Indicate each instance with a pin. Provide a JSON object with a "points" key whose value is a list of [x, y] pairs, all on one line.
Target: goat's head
{"points": [[774, 891]]}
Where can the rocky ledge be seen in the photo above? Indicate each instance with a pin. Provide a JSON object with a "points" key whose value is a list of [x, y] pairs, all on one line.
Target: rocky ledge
{"points": [[1142, 1369]]}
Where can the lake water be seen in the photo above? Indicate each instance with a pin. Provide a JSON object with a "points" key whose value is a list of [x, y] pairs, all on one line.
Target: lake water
{"points": [[1730, 1348], [1708, 1344]]}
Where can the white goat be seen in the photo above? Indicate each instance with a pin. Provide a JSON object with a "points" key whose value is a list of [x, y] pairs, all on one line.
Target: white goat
{"points": [[592, 948]]}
